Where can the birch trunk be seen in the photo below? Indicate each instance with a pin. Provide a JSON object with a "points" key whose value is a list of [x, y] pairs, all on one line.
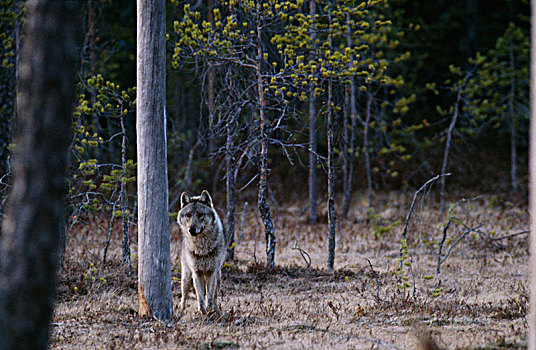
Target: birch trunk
{"points": [[154, 265], [264, 209], [36, 213], [331, 170], [349, 152]]}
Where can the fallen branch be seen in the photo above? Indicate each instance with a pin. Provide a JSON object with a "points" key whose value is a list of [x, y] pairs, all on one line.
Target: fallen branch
{"points": [[376, 277], [439, 260], [303, 253], [412, 207], [511, 235]]}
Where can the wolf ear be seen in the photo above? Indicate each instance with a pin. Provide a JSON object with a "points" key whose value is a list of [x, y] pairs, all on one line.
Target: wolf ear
{"points": [[205, 198], [185, 199]]}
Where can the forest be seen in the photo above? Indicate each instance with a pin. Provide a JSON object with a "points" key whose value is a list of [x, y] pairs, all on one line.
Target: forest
{"points": [[368, 159]]}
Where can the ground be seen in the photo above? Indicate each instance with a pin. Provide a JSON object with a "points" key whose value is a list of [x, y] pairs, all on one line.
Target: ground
{"points": [[374, 299]]}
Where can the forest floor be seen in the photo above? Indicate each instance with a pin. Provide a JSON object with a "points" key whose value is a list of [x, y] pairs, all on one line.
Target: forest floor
{"points": [[372, 300]]}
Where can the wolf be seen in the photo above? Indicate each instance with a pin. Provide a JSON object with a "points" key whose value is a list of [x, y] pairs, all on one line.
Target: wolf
{"points": [[203, 250]]}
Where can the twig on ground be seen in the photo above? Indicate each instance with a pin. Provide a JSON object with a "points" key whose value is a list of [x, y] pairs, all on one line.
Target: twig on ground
{"points": [[462, 236], [376, 277], [408, 218], [303, 253], [511, 235], [412, 207]]}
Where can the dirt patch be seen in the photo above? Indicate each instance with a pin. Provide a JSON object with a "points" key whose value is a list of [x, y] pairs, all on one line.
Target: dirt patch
{"points": [[374, 299]]}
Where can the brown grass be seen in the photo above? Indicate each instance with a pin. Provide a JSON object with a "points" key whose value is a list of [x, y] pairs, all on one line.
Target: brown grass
{"points": [[479, 301]]}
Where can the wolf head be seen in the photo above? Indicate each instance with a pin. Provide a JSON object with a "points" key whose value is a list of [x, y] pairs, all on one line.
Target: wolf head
{"points": [[196, 213]]}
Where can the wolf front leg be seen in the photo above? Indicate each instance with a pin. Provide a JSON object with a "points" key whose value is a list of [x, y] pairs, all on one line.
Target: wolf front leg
{"points": [[186, 284], [212, 286], [199, 285]]}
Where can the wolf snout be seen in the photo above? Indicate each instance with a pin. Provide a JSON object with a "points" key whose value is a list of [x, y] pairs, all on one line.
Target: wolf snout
{"points": [[194, 231]]}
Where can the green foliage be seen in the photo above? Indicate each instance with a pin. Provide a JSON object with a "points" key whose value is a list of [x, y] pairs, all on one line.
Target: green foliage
{"points": [[379, 230], [95, 186]]}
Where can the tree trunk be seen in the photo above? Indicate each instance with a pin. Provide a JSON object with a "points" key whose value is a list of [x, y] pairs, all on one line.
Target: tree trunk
{"points": [[211, 85], [365, 147], [349, 153], [532, 186], [346, 190], [230, 184], [154, 265], [264, 209], [35, 219], [331, 169], [124, 199], [513, 131], [313, 209], [446, 153]]}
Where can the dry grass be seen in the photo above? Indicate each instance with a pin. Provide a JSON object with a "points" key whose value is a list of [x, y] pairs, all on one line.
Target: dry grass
{"points": [[479, 300]]}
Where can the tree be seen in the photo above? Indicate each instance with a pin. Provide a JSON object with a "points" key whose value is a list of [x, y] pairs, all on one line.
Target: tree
{"points": [[313, 163], [239, 41], [508, 67], [532, 192], [35, 220], [154, 262]]}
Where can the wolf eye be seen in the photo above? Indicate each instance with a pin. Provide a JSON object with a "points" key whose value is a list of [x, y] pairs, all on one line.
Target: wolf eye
{"points": [[188, 215]]}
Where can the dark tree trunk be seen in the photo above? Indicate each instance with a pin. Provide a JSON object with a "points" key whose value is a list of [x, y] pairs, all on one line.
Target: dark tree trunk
{"points": [[35, 219], [124, 199], [211, 78], [154, 263], [331, 170], [349, 150], [230, 184], [513, 130], [264, 209], [368, 115], [313, 194]]}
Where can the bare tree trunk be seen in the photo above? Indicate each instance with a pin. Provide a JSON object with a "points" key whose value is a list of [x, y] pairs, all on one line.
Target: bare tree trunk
{"points": [[513, 131], [210, 85], [331, 169], [349, 151], [154, 263], [532, 185], [35, 220], [447, 147], [124, 202], [230, 169], [346, 190], [366, 146], [313, 194], [230, 184], [264, 209]]}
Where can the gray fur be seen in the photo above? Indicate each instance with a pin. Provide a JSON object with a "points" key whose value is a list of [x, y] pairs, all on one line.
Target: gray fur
{"points": [[203, 250]]}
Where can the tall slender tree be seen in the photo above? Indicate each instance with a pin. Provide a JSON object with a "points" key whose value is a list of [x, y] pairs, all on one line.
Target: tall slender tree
{"points": [[532, 185], [154, 262], [35, 222], [313, 192]]}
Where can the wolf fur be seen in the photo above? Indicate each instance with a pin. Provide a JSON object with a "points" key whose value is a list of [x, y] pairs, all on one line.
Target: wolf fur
{"points": [[203, 250]]}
